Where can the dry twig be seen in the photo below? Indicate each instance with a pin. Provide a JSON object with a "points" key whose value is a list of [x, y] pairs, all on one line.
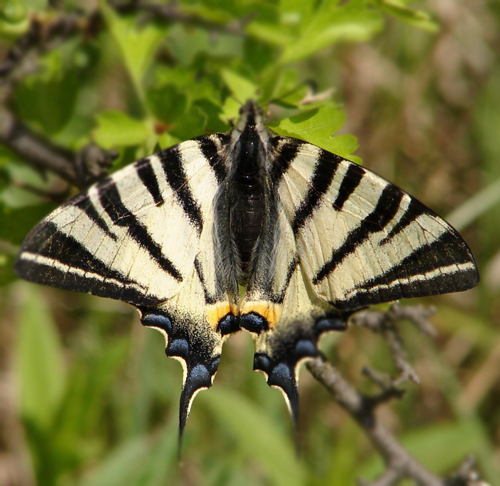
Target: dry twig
{"points": [[400, 464]]}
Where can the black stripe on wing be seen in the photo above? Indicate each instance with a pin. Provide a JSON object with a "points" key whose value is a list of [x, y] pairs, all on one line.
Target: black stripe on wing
{"points": [[324, 172], [413, 211], [212, 153], [278, 298], [386, 208], [171, 160], [147, 175], [86, 273], [447, 251], [350, 182], [112, 203], [209, 299], [286, 153], [84, 202]]}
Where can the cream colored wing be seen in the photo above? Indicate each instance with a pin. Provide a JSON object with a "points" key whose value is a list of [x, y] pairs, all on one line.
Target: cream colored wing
{"points": [[144, 236]]}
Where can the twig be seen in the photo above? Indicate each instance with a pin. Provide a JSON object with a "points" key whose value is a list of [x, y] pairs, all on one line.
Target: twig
{"points": [[466, 475], [400, 463], [45, 33], [80, 169], [171, 13], [386, 324]]}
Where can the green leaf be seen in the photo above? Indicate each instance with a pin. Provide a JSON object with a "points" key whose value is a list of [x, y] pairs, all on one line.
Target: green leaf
{"points": [[162, 461], [330, 24], [7, 274], [40, 362], [190, 124], [187, 44], [122, 466], [241, 87], [257, 435], [294, 10], [15, 223], [139, 462], [47, 98], [137, 43], [91, 382], [416, 18], [116, 129], [166, 140], [316, 127], [283, 87], [168, 103], [13, 11], [36, 5], [485, 200], [271, 33]]}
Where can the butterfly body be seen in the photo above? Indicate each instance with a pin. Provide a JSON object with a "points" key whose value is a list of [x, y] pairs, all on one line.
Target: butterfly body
{"points": [[308, 236]]}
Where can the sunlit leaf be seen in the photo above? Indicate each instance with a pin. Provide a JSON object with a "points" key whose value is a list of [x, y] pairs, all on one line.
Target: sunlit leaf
{"points": [[137, 42], [116, 129], [331, 23], [417, 18], [316, 127], [242, 88]]}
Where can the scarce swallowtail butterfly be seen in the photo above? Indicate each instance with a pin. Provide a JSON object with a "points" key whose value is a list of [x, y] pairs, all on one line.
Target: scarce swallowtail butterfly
{"points": [[309, 236]]}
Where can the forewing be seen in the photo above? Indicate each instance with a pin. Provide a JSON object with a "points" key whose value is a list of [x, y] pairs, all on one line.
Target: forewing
{"points": [[132, 236], [361, 240]]}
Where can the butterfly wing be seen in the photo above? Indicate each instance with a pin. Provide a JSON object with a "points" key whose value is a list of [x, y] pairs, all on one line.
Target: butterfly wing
{"points": [[362, 240], [347, 239], [143, 235]]}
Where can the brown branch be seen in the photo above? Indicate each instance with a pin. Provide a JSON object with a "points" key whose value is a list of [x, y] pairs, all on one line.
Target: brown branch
{"points": [[171, 13], [45, 33], [400, 464], [466, 475], [80, 168], [386, 325]]}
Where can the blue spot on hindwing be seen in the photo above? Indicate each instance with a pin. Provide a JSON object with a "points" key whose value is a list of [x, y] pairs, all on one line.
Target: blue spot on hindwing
{"points": [[158, 321]]}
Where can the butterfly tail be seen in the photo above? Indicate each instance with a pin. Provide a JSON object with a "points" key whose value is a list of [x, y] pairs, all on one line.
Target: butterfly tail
{"points": [[280, 355], [198, 377], [197, 351]]}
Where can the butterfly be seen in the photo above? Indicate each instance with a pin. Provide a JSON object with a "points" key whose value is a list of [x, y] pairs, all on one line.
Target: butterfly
{"points": [[246, 230]]}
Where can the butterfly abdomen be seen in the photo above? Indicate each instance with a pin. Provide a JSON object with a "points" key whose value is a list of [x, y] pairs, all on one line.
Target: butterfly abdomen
{"points": [[246, 217]]}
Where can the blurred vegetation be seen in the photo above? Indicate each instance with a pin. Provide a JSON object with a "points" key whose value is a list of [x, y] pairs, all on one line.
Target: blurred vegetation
{"points": [[87, 397]]}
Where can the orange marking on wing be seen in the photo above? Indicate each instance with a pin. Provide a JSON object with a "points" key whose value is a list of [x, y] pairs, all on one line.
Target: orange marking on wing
{"points": [[217, 311], [269, 311]]}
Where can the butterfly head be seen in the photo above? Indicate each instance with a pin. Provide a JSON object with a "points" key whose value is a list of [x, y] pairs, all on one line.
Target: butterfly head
{"points": [[250, 115]]}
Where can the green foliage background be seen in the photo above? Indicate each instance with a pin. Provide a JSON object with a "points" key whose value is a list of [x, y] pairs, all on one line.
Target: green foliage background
{"points": [[90, 398]]}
